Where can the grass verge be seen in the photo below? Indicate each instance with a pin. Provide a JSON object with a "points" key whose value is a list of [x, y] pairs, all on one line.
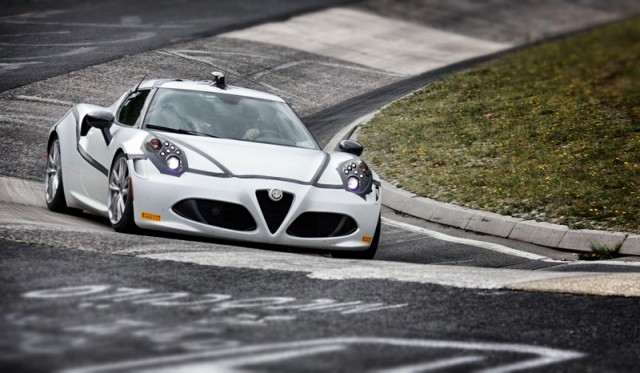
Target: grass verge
{"points": [[550, 133]]}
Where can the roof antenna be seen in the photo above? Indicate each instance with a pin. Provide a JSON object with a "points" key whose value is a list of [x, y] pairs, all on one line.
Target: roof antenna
{"points": [[218, 80], [138, 86]]}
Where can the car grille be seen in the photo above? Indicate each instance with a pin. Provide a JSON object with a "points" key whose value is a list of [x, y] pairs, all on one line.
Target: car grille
{"points": [[216, 213], [274, 212], [322, 224]]}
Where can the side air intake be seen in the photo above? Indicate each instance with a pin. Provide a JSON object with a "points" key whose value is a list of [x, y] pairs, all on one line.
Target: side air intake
{"points": [[322, 224], [216, 213]]}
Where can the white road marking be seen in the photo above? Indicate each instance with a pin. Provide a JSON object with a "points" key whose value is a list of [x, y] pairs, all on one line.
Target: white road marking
{"points": [[7, 67], [433, 365], [465, 241], [210, 60], [288, 65], [16, 191], [20, 18], [317, 267], [138, 37], [236, 358], [501, 248], [233, 364], [19, 35], [73, 52], [44, 100]]}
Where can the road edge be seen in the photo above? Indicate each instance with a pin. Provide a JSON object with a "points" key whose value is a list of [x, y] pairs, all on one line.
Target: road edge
{"points": [[554, 236]]}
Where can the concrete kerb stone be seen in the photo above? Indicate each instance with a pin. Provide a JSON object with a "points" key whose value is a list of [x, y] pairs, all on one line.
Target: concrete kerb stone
{"points": [[396, 198], [493, 224], [539, 233], [348, 131], [631, 245], [586, 240], [448, 214]]}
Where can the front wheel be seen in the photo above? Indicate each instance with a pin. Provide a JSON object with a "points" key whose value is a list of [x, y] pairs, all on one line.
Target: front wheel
{"points": [[120, 199], [366, 254], [53, 186]]}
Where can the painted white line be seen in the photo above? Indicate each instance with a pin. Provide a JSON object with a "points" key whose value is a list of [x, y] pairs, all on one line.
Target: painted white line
{"points": [[236, 358], [465, 241], [234, 364], [34, 33], [503, 249], [74, 52], [32, 15], [321, 268], [93, 25], [44, 100], [434, 365], [209, 60], [7, 67], [138, 37], [289, 65]]}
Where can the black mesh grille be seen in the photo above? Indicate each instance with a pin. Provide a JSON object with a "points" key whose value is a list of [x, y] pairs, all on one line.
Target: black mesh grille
{"points": [[274, 212], [216, 213], [322, 224]]}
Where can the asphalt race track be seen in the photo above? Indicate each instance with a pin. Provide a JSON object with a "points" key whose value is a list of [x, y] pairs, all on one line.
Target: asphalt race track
{"points": [[78, 297], [42, 39]]}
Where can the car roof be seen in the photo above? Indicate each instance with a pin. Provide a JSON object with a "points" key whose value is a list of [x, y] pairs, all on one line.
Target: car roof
{"points": [[208, 86]]}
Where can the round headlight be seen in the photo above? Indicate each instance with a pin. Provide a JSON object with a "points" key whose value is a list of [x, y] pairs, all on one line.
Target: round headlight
{"points": [[173, 163], [353, 183]]}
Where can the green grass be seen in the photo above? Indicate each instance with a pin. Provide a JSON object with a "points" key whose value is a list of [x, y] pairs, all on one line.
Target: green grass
{"points": [[550, 133]]}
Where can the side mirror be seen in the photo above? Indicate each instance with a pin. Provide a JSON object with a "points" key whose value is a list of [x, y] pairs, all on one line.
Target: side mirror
{"points": [[99, 119], [351, 147]]}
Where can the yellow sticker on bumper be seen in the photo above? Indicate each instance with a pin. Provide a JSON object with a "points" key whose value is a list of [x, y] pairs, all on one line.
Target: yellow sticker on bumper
{"points": [[150, 216]]}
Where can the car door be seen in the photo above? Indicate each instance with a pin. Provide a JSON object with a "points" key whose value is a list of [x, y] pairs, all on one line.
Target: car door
{"points": [[99, 147]]}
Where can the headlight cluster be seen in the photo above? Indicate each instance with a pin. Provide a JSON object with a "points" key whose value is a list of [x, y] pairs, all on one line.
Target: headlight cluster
{"points": [[356, 177], [166, 156]]}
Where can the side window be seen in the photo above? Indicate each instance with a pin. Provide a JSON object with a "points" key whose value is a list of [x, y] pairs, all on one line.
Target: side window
{"points": [[131, 108]]}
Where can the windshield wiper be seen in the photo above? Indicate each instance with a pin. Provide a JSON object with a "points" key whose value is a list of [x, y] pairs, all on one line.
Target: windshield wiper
{"points": [[178, 130]]}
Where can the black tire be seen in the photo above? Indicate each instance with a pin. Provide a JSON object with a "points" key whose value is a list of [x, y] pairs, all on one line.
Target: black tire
{"points": [[366, 254], [53, 185], [119, 200]]}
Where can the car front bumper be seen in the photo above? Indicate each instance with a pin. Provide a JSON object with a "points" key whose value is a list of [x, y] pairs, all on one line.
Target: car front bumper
{"points": [[155, 195]]}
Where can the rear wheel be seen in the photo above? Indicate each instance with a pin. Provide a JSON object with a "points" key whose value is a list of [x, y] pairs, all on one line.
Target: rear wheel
{"points": [[366, 254], [53, 186], [120, 199]]}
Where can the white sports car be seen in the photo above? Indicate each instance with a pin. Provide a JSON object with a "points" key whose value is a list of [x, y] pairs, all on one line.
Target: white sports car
{"points": [[207, 159]]}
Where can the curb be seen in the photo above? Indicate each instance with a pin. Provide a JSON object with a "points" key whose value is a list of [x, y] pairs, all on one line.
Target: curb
{"points": [[550, 235]]}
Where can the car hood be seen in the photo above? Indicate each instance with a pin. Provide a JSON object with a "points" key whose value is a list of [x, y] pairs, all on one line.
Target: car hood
{"points": [[246, 158]]}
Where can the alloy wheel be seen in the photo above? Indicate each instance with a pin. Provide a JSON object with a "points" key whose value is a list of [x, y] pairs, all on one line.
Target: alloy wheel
{"points": [[119, 190], [54, 170]]}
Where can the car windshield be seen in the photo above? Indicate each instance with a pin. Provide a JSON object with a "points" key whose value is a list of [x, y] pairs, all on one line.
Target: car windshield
{"points": [[227, 116]]}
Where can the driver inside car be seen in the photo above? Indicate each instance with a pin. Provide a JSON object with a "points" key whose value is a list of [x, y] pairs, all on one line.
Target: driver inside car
{"points": [[251, 120]]}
